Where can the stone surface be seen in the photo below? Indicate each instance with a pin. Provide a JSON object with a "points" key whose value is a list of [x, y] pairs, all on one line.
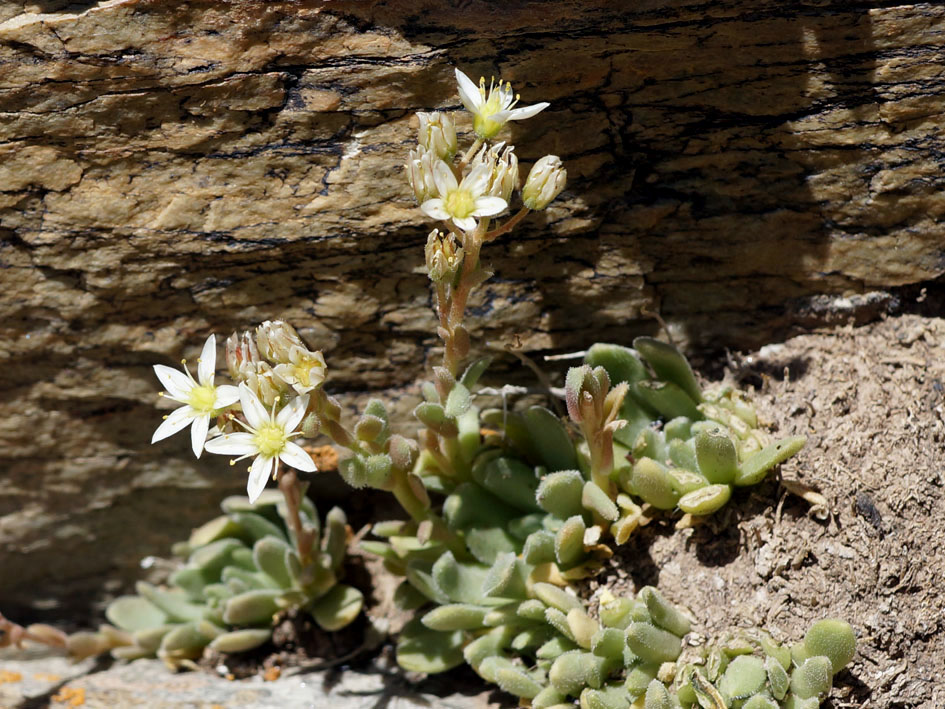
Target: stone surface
{"points": [[172, 169], [38, 678]]}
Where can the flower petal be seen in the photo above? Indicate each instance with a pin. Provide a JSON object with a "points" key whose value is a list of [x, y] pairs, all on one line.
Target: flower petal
{"points": [[468, 92], [466, 224], [259, 473], [443, 178], [232, 444], [478, 178], [520, 114], [227, 395], [177, 384], [198, 433], [177, 420], [434, 209], [293, 454], [506, 95], [207, 362], [292, 414], [488, 206], [253, 409]]}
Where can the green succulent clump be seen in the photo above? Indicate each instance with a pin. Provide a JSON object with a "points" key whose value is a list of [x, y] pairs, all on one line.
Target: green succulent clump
{"points": [[242, 569], [681, 447], [749, 670], [529, 505]]}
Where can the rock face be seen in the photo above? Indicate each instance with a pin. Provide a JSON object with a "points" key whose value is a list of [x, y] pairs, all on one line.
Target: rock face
{"points": [[172, 169]]}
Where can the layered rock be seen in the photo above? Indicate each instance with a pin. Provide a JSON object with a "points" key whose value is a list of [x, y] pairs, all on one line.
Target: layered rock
{"points": [[172, 169]]}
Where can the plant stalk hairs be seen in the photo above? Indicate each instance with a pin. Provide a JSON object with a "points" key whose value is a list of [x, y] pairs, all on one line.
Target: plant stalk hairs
{"points": [[505, 510]]}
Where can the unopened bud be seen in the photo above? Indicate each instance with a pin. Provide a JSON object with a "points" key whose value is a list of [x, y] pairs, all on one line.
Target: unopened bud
{"points": [[419, 168], [504, 163], [437, 135], [443, 256], [545, 182], [241, 355], [275, 339]]}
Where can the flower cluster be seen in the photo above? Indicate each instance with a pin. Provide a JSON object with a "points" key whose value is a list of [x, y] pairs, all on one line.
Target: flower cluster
{"points": [[260, 416], [481, 185]]}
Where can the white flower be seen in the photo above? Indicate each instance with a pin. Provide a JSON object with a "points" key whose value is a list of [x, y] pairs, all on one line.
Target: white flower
{"points": [[419, 168], [304, 371], [267, 438], [491, 111], [200, 398], [464, 201], [503, 166], [544, 182], [437, 134]]}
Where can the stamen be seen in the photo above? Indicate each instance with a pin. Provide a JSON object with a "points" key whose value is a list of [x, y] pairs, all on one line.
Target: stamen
{"points": [[232, 463]]}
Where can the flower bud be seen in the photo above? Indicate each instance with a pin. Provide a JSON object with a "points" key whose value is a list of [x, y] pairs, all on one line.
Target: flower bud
{"points": [[503, 167], [545, 182], [437, 135], [443, 256], [241, 355], [419, 168], [245, 365], [504, 174], [295, 364], [275, 339]]}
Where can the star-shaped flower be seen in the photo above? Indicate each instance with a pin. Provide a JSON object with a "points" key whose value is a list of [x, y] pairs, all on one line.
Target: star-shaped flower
{"points": [[463, 201], [201, 399], [267, 437], [492, 110]]}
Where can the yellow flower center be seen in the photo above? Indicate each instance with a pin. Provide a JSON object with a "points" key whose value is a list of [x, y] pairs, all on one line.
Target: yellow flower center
{"points": [[459, 204], [202, 398], [303, 372], [270, 440]]}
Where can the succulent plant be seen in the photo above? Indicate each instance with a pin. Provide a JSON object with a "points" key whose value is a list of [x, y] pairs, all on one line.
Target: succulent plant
{"points": [[534, 513], [242, 568]]}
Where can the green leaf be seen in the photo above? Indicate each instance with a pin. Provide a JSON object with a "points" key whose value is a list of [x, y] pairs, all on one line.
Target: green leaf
{"points": [[134, 613], [551, 439], [252, 607], [665, 398], [598, 502], [622, 363], [338, 608], [663, 613], [669, 363], [653, 644], [569, 542], [833, 639], [420, 649], [744, 676], [511, 481], [470, 377], [705, 500], [715, 453], [241, 640], [457, 402], [456, 616], [756, 467], [173, 604], [559, 493], [269, 554]]}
